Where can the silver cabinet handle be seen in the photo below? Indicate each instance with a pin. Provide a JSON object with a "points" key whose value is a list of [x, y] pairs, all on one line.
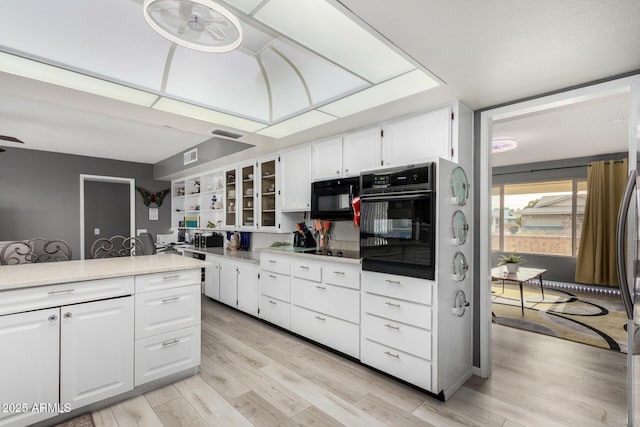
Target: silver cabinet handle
{"points": [[338, 172], [390, 326], [339, 272], [346, 171], [321, 287], [172, 299], [392, 304], [52, 318], [63, 291], [172, 342], [67, 315], [320, 318], [388, 353], [304, 267], [273, 261], [175, 276], [272, 302], [393, 282], [273, 277]]}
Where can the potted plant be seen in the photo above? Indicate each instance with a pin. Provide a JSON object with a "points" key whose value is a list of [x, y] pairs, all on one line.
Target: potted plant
{"points": [[511, 262]]}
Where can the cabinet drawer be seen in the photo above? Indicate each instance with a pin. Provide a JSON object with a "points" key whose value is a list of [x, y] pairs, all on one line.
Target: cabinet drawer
{"points": [[397, 335], [275, 264], [335, 301], [397, 363], [403, 311], [401, 287], [275, 285], [342, 275], [306, 270], [20, 300], [168, 310], [166, 354], [275, 311], [335, 333], [169, 279]]}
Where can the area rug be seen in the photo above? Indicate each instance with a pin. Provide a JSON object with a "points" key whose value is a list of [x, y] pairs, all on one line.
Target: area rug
{"points": [[585, 317], [84, 420]]}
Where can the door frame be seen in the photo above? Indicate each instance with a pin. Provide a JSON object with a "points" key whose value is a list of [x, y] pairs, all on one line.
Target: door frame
{"points": [[113, 179], [628, 85]]}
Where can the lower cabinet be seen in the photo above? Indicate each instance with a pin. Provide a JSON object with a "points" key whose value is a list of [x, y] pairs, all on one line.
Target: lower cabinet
{"points": [[234, 283], [330, 331], [212, 278], [275, 311], [229, 283], [248, 289]]}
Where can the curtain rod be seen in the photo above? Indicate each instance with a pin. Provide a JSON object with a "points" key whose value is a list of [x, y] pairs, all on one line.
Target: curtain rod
{"points": [[550, 169]]}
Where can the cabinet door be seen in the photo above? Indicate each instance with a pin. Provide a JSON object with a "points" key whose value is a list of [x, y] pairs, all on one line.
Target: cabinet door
{"points": [[268, 187], [247, 198], [361, 150], [96, 350], [231, 193], [326, 159], [248, 289], [29, 364], [212, 278], [228, 283], [418, 138], [295, 191]]}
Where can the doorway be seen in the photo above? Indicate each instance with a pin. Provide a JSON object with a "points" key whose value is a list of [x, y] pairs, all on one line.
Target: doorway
{"points": [[107, 208]]}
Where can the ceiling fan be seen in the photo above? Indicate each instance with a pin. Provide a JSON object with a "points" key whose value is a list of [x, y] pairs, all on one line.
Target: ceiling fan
{"points": [[9, 139]]}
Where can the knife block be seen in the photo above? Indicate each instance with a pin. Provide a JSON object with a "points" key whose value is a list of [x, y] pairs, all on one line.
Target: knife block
{"points": [[303, 239]]}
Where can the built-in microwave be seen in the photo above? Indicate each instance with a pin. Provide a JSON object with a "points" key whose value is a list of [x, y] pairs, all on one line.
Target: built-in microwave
{"points": [[331, 199]]}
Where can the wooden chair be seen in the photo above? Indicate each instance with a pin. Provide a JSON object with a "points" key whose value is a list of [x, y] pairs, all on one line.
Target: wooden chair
{"points": [[34, 250], [116, 246]]}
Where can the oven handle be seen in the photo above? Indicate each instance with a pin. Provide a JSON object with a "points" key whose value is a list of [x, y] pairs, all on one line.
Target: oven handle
{"points": [[388, 196]]}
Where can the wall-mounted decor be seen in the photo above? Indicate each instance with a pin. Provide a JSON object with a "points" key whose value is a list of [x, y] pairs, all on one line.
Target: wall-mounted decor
{"points": [[149, 197]]}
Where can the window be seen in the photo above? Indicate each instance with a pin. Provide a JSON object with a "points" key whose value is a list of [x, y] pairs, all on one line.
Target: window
{"points": [[539, 218]]}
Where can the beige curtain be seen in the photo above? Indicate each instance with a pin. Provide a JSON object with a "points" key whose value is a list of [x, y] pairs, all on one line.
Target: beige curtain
{"points": [[596, 262]]}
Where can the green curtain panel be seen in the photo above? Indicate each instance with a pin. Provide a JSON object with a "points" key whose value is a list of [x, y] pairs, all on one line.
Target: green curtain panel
{"points": [[596, 262]]}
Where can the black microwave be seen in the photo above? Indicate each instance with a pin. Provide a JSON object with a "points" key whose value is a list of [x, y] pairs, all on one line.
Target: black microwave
{"points": [[331, 199]]}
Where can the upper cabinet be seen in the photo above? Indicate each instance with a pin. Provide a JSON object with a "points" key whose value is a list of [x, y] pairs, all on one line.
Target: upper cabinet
{"points": [[231, 188], [295, 176], [247, 195], [348, 155], [418, 138], [268, 185]]}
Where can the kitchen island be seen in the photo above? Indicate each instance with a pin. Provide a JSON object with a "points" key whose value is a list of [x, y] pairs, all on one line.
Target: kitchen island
{"points": [[80, 335]]}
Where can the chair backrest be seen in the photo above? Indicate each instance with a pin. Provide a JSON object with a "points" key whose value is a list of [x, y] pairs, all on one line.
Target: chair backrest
{"points": [[34, 250], [148, 243], [116, 246]]}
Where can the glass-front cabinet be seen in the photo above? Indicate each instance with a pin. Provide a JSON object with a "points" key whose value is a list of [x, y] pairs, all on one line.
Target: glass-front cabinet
{"points": [[267, 193], [231, 196], [248, 195]]}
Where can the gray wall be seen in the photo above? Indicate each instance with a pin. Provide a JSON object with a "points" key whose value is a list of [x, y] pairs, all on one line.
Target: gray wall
{"points": [[40, 194], [106, 206]]}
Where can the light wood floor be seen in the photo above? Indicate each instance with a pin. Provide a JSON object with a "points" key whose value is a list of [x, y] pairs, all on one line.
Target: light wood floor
{"points": [[254, 374]]}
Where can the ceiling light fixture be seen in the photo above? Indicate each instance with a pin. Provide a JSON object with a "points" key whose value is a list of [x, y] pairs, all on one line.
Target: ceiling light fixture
{"points": [[500, 145], [201, 25]]}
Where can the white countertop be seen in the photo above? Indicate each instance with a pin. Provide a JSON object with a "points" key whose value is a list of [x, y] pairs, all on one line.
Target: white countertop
{"points": [[50, 273], [248, 256], [289, 250]]}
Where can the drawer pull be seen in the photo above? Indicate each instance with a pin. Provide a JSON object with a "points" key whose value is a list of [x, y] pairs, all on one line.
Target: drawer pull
{"points": [[304, 267], [63, 291], [390, 326], [172, 342], [388, 353], [272, 302], [321, 287], [272, 261], [339, 272], [52, 318], [68, 315], [172, 299], [175, 276], [392, 282], [273, 277], [320, 318], [392, 304]]}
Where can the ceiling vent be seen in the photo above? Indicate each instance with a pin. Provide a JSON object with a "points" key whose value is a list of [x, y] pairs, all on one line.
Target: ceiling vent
{"points": [[226, 133], [191, 156]]}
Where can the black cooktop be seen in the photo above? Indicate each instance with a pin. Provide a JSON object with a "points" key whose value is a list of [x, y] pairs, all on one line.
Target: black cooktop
{"points": [[334, 253]]}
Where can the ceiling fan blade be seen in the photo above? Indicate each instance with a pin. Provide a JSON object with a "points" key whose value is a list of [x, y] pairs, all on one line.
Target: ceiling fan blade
{"points": [[10, 139]]}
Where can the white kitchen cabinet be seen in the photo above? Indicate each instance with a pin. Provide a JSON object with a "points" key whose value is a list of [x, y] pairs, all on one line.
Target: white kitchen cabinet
{"points": [[295, 173], [167, 310], [275, 289], [212, 278], [326, 159], [29, 364], [418, 138], [248, 288], [232, 197], [247, 198], [268, 184], [361, 150], [96, 351], [228, 282]]}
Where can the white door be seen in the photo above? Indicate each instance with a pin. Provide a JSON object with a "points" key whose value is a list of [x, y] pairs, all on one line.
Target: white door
{"points": [[96, 350], [28, 365], [295, 173], [361, 150], [248, 288], [326, 159], [212, 278], [228, 283]]}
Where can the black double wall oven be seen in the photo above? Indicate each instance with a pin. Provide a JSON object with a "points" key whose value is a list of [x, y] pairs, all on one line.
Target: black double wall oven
{"points": [[398, 219]]}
